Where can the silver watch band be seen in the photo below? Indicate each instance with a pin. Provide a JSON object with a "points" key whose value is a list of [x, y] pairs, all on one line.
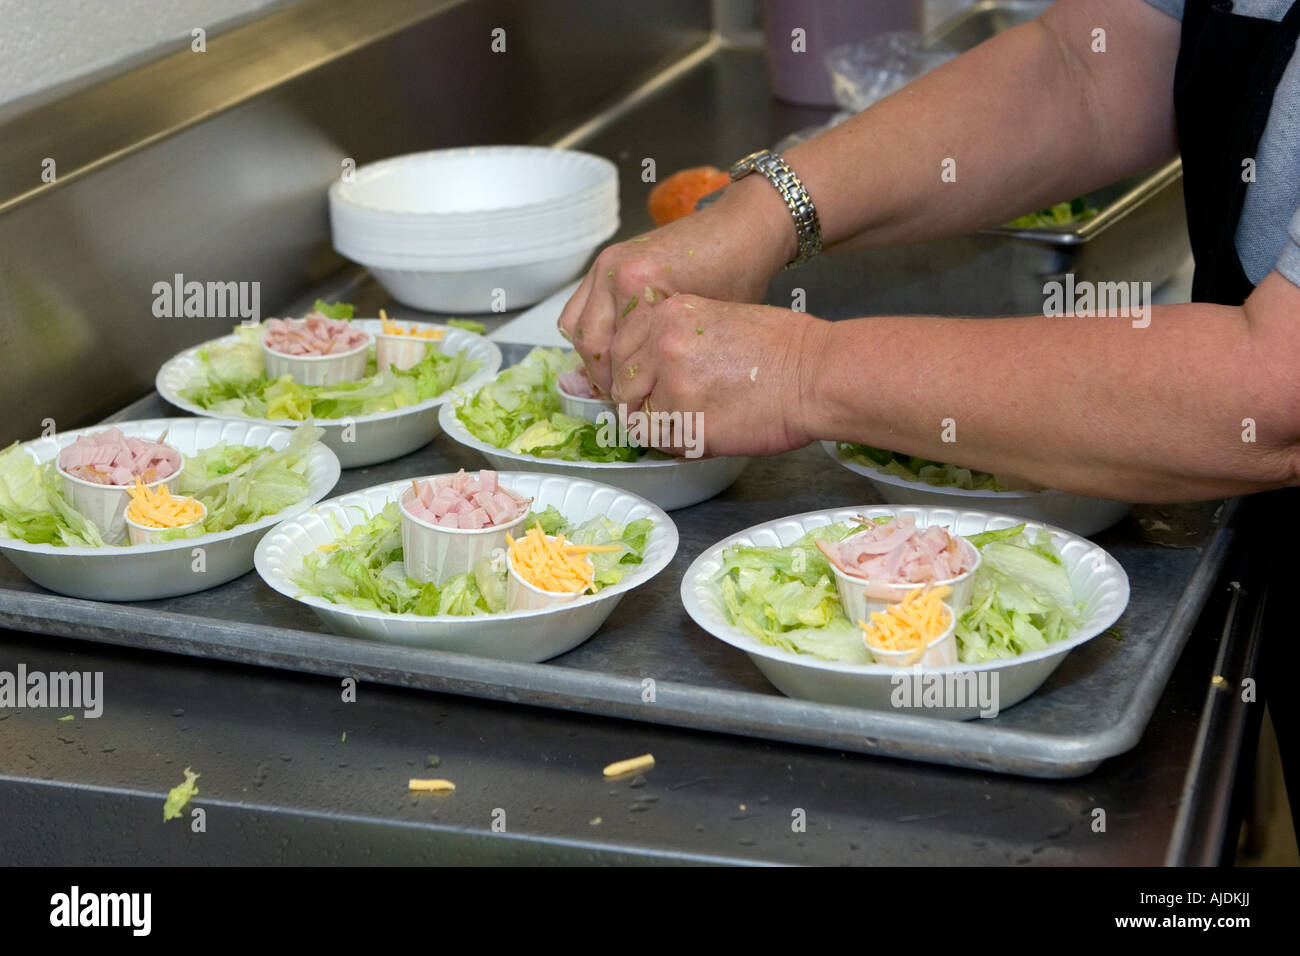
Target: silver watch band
{"points": [[807, 226]]}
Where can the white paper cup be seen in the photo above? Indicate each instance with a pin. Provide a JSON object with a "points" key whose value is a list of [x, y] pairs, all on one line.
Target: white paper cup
{"points": [[523, 596], [589, 409], [318, 369], [105, 505], [401, 351], [145, 534], [860, 596], [434, 553], [940, 652]]}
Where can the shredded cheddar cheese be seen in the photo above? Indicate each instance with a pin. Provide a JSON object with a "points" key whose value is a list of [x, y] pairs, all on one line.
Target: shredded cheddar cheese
{"points": [[909, 625], [554, 564], [159, 508], [389, 327], [431, 786], [633, 765]]}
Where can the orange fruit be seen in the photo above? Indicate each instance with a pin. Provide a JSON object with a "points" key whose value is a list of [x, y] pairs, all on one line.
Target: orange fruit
{"points": [[677, 195]]}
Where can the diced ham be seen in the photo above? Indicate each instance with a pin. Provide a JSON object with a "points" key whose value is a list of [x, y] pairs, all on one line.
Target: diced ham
{"points": [[576, 383], [315, 335], [110, 458], [898, 552], [464, 501]]}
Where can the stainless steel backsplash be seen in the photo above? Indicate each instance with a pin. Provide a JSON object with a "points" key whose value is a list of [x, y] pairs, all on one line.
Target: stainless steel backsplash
{"points": [[214, 165]]}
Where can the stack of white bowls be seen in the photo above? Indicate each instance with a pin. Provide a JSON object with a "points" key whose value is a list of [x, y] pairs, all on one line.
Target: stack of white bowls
{"points": [[477, 229]]}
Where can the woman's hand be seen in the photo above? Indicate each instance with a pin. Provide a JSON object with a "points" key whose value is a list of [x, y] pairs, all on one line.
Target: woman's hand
{"points": [[728, 251], [749, 374]]}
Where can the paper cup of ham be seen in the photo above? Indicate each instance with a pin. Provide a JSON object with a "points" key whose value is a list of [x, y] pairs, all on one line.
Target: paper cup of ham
{"points": [[98, 471], [940, 651], [577, 398], [449, 522], [142, 533], [523, 595], [881, 565], [315, 350]]}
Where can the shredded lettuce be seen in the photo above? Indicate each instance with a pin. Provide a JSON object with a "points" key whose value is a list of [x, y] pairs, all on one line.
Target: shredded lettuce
{"points": [[1062, 214], [238, 484], [32, 505], [232, 381], [1022, 600], [787, 597], [469, 325], [364, 568], [336, 310], [179, 795], [921, 469], [521, 412]]}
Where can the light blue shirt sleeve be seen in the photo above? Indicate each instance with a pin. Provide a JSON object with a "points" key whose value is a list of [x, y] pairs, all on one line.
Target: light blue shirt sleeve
{"points": [[1172, 7], [1288, 263]]}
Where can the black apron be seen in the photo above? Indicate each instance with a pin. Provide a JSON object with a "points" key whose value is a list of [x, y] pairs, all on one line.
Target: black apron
{"points": [[1228, 69]]}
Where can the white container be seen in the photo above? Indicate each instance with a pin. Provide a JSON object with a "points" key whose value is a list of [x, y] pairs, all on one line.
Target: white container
{"points": [[146, 534], [529, 636], [588, 409], [434, 553], [940, 652], [860, 596], [401, 351], [670, 483], [370, 439], [1097, 579], [153, 571], [105, 505], [439, 288], [319, 369], [523, 596], [475, 183], [1076, 513]]}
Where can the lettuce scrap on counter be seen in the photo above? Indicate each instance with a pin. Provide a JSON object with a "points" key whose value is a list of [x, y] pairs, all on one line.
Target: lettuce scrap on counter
{"points": [[786, 597], [364, 569], [934, 473], [520, 412], [238, 484], [233, 381]]}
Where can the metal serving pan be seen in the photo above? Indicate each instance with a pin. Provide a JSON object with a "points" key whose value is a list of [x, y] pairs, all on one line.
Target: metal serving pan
{"points": [[1094, 706], [1139, 235]]}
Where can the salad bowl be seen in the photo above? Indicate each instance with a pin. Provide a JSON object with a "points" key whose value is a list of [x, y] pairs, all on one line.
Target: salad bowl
{"points": [[1075, 513], [1097, 580], [148, 572], [525, 635], [358, 440]]}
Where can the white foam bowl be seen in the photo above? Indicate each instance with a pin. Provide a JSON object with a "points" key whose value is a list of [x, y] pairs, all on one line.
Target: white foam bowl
{"points": [[1097, 578], [1076, 513], [473, 184], [152, 571], [669, 483], [479, 290], [378, 437], [531, 636]]}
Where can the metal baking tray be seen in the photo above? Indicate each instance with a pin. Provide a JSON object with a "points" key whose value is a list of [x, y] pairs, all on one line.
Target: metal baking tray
{"points": [[1096, 705], [1138, 235]]}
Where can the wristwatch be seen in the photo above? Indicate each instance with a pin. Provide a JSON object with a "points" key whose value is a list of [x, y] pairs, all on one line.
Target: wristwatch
{"points": [[806, 224]]}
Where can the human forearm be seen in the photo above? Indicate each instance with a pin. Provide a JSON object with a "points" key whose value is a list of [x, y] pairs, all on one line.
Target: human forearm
{"points": [[1093, 406], [1029, 118]]}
